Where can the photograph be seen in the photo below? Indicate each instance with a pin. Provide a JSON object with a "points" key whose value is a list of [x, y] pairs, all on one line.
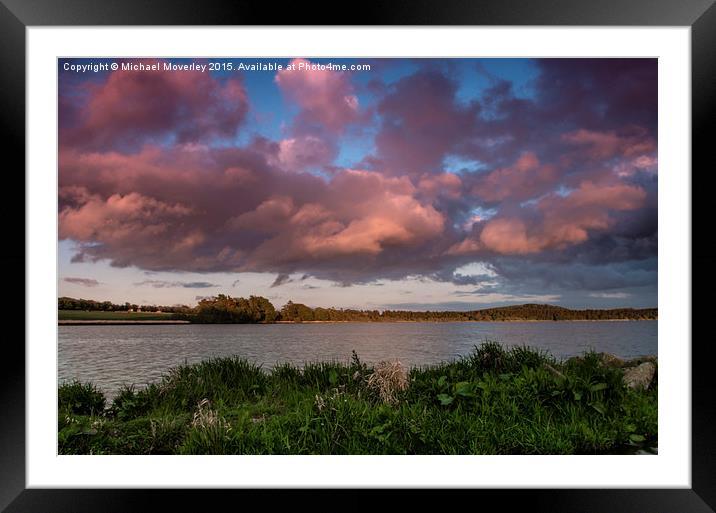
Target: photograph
{"points": [[424, 248], [357, 256]]}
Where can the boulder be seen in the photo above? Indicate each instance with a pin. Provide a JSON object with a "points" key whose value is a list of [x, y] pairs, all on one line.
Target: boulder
{"points": [[639, 376]]}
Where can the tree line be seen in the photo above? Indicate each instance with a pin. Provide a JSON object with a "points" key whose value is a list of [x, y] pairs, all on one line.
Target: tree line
{"points": [[299, 312], [70, 303], [223, 309]]}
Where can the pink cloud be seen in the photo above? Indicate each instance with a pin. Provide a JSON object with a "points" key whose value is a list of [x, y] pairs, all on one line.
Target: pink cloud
{"points": [[525, 179], [131, 223], [364, 213], [270, 216], [201, 209], [132, 107], [118, 215], [443, 184], [616, 196], [554, 222], [467, 246], [325, 97], [643, 163], [607, 144], [213, 186], [300, 152], [508, 236]]}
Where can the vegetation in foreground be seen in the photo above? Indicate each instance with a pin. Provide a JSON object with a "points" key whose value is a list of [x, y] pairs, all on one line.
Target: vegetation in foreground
{"points": [[493, 401]]}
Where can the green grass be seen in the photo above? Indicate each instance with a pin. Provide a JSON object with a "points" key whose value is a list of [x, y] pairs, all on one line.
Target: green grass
{"points": [[493, 401], [83, 315]]}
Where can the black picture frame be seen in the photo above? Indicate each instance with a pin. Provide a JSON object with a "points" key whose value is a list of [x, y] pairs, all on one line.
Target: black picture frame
{"points": [[17, 15]]}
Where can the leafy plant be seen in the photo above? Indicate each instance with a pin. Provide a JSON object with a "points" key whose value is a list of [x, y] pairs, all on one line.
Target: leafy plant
{"points": [[80, 398]]}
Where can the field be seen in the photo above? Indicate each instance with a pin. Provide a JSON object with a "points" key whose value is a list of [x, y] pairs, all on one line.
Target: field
{"points": [[494, 401], [84, 315]]}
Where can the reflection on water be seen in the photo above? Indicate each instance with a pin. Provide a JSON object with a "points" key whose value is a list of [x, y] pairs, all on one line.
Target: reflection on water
{"points": [[111, 356]]}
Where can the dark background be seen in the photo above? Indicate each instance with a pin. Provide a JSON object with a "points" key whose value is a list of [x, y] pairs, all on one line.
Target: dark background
{"points": [[16, 15]]}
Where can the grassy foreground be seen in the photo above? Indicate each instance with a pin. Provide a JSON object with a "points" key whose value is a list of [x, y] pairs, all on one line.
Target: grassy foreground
{"points": [[493, 401]]}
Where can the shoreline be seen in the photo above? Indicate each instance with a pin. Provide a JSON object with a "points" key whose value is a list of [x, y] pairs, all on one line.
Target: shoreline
{"points": [[109, 322], [456, 321], [119, 322]]}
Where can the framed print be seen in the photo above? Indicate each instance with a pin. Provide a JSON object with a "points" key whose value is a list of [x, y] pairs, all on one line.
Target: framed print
{"points": [[374, 255]]}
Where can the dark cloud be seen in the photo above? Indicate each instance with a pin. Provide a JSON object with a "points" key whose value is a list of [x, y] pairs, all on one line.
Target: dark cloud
{"points": [[280, 280], [161, 284], [133, 108], [516, 274], [421, 123], [85, 282]]}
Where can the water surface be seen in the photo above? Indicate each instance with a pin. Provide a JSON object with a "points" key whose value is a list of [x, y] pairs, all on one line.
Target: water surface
{"points": [[112, 356]]}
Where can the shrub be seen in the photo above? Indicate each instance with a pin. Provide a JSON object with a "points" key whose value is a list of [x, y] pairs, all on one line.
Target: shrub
{"points": [[80, 398], [130, 404]]}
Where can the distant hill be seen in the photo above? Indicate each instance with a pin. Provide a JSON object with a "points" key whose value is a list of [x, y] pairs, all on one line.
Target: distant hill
{"points": [[539, 312], [526, 312]]}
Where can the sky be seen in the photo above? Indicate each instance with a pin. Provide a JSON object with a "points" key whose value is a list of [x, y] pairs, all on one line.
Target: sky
{"points": [[451, 184]]}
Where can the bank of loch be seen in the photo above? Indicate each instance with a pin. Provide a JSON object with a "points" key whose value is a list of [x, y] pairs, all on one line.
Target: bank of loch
{"points": [[492, 401]]}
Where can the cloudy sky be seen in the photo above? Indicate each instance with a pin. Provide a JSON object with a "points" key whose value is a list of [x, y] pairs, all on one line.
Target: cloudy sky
{"points": [[422, 184]]}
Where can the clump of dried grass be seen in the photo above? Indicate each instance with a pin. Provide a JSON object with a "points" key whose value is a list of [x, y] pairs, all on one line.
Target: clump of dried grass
{"points": [[205, 417], [330, 400], [388, 379], [319, 403]]}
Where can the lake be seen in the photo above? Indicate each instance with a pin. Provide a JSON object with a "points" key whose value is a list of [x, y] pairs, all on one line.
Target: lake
{"points": [[111, 356]]}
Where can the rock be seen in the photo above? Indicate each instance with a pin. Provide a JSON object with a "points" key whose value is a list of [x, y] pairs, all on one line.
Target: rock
{"points": [[639, 376], [609, 360]]}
